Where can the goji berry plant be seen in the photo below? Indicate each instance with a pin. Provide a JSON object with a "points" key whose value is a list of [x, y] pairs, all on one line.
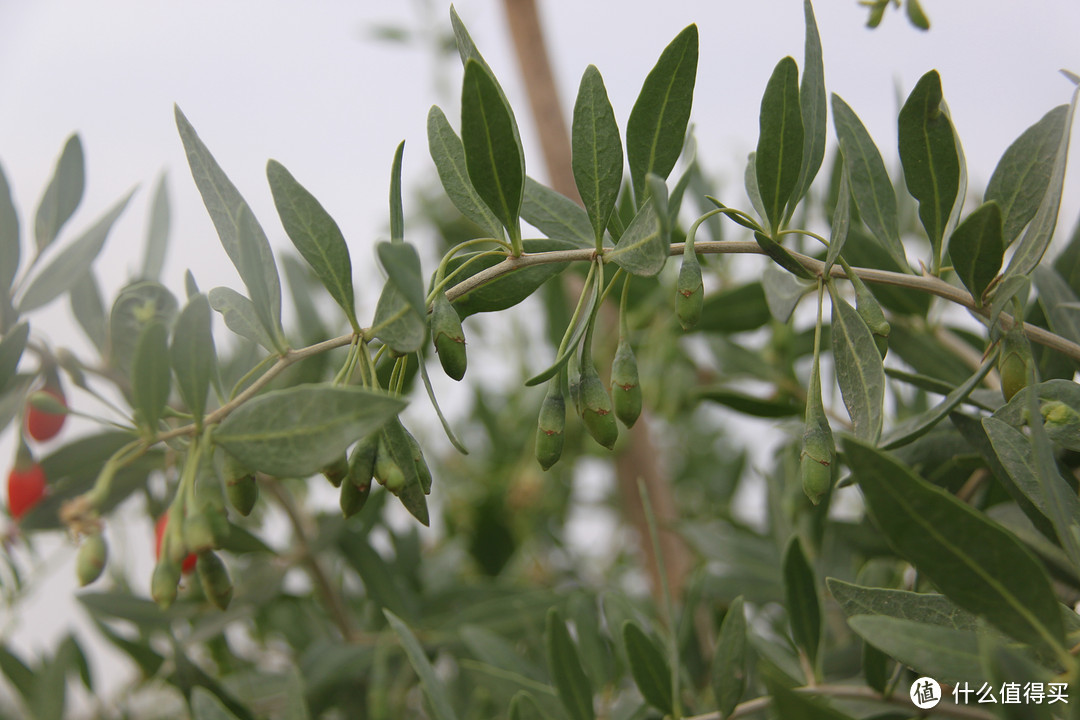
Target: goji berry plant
{"points": [[921, 518]]}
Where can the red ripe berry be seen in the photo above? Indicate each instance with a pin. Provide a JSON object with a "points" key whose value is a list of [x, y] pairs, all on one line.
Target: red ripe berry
{"points": [[42, 425], [159, 534], [26, 488]]}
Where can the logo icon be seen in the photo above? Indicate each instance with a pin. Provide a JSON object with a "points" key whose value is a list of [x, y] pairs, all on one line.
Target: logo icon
{"points": [[925, 693]]}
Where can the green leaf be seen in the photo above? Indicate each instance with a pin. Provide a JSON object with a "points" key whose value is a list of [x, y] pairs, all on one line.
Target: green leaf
{"points": [[492, 649], [448, 154], [467, 49], [976, 248], [789, 704], [781, 256], [396, 323], [458, 445], [492, 145], [298, 431], [813, 106], [380, 584], [597, 151], [749, 404], [1031, 466], [871, 188], [397, 215], [940, 652], [1022, 175], [928, 608], [22, 678], [657, 125], [10, 249], [657, 192], [157, 232], [1059, 496], [738, 309], [62, 195], [240, 316], [648, 667], [86, 305], [1041, 229], [511, 288], [801, 598], [240, 233], [436, 694], [412, 493], [928, 154], [593, 647], [205, 706], [977, 564], [1059, 303], [779, 156], [841, 222], [402, 265], [193, 355], [523, 707], [728, 675], [565, 666], [151, 378], [315, 235], [641, 250], [12, 345], [915, 427], [859, 371], [68, 266], [556, 215]]}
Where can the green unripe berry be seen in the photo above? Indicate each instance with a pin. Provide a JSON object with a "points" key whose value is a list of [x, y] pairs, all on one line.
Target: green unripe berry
{"points": [[596, 410], [689, 292], [336, 471], [362, 460], [198, 533], [164, 582], [550, 425], [816, 478], [388, 472], [815, 464], [449, 337], [354, 497], [423, 472], [240, 486], [216, 584], [92, 557], [625, 389], [1014, 362]]}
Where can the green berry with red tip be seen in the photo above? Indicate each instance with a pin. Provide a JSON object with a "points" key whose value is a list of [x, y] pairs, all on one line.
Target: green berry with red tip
{"points": [[163, 583], [216, 583], [388, 472], [596, 410], [336, 471], [240, 486], [160, 539], [625, 388], [550, 425], [689, 292], [91, 559]]}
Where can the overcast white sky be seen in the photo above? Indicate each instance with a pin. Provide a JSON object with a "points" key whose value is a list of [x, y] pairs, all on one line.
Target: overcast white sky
{"points": [[304, 83]]}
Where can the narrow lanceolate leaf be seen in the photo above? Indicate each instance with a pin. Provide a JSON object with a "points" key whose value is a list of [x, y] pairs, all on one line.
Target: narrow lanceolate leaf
{"points": [[151, 378], [492, 145], [859, 371], [657, 125], [397, 215], [402, 265], [437, 696], [929, 608], [1022, 175], [296, 432], [467, 49], [240, 233], [871, 188], [448, 154], [928, 154], [12, 346], [728, 675], [943, 653], [569, 678], [1037, 236], [157, 232], [556, 215], [1059, 303], [974, 562], [239, 315], [597, 151], [193, 354], [396, 323], [316, 236], [778, 159], [89, 310], [396, 441], [801, 598], [647, 665], [137, 305], [813, 105], [976, 248], [841, 222], [68, 266], [10, 250], [790, 704], [1060, 497], [641, 250], [62, 195]]}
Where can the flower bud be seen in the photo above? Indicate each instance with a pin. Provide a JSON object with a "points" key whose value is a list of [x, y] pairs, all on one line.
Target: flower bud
{"points": [[90, 562], [1014, 362], [388, 472], [216, 583], [596, 409], [690, 292], [625, 389], [448, 336], [550, 425]]}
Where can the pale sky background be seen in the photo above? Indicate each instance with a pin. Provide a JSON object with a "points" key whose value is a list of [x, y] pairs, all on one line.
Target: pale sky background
{"points": [[305, 83]]}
